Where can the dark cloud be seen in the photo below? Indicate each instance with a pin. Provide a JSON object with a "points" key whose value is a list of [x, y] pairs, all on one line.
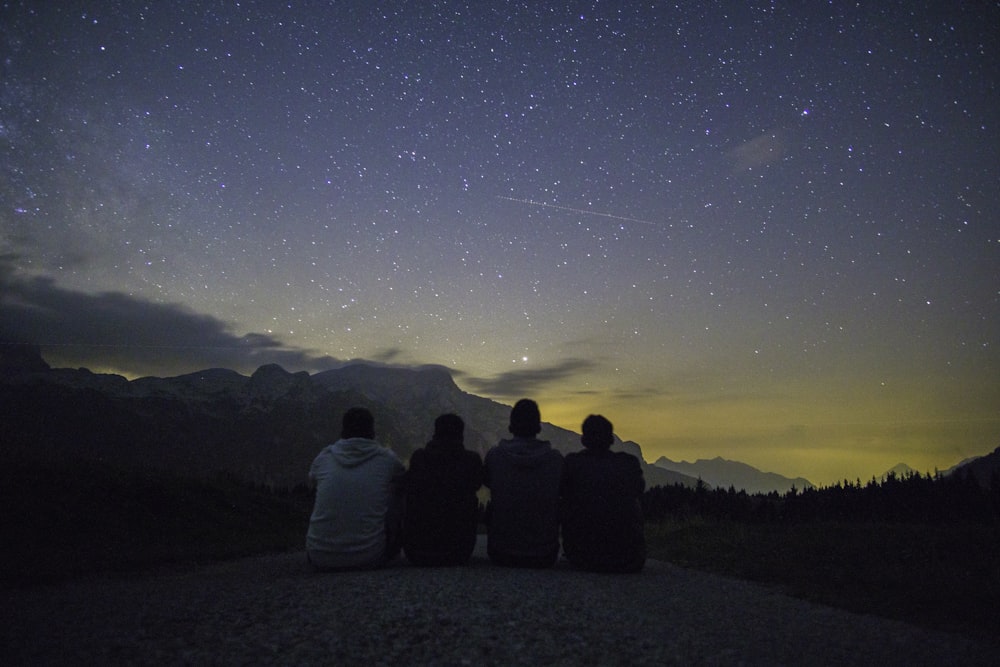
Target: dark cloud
{"points": [[526, 381], [640, 393], [388, 355], [115, 330]]}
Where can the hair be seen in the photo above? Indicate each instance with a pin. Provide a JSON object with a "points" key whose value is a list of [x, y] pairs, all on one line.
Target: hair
{"points": [[358, 423], [525, 419], [598, 433], [449, 428]]}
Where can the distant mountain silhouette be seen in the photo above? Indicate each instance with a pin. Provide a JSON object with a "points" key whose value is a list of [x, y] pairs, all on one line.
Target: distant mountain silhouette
{"points": [[722, 473], [900, 471], [266, 428], [984, 468]]}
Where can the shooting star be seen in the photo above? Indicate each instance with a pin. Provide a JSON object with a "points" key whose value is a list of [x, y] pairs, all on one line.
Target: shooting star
{"points": [[531, 202]]}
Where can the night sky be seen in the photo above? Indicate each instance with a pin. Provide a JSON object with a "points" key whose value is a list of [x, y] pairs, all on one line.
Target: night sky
{"points": [[763, 231]]}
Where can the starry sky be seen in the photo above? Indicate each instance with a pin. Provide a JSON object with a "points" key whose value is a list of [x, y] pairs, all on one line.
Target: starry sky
{"points": [[766, 231]]}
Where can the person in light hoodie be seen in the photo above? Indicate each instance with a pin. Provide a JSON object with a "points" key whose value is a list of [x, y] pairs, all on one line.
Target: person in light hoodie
{"points": [[523, 475], [356, 517]]}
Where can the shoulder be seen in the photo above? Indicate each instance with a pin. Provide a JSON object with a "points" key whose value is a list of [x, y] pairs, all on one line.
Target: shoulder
{"points": [[623, 462], [498, 449], [323, 456], [552, 451], [418, 459], [626, 459], [390, 457]]}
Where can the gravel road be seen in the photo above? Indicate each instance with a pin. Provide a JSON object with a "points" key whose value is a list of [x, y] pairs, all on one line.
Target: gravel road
{"points": [[274, 610]]}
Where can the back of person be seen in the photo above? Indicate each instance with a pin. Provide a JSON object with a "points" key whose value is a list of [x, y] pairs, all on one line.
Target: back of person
{"points": [[602, 524], [355, 516], [523, 475], [442, 509]]}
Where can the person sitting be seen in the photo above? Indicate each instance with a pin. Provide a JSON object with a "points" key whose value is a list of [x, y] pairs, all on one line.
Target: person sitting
{"points": [[602, 525], [441, 507], [355, 521], [523, 475]]}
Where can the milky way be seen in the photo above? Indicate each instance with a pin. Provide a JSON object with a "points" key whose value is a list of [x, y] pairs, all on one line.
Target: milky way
{"points": [[767, 232]]}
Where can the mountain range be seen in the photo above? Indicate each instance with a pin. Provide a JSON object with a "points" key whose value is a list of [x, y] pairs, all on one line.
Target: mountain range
{"points": [[722, 473], [267, 428]]}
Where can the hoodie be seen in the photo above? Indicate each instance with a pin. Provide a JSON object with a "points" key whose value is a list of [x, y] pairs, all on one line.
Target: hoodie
{"points": [[523, 475], [354, 480]]}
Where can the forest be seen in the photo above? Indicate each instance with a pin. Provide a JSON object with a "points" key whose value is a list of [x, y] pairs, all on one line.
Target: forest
{"points": [[923, 549], [913, 498]]}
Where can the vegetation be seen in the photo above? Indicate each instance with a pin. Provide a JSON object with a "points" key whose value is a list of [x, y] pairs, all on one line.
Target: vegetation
{"points": [[919, 549], [76, 517]]}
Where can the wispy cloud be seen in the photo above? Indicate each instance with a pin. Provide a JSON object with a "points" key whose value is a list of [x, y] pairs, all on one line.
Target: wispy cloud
{"points": [[525, 381]]}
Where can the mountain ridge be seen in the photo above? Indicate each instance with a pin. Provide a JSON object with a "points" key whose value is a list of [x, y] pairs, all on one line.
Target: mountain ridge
{"points": [[268, 426], [265, 428], [723, 473]]}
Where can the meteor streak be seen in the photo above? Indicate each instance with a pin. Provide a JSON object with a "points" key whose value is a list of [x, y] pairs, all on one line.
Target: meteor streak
{"points": [[531, 202]]}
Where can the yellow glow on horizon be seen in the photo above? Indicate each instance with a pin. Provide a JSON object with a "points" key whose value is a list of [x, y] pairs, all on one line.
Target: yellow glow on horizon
{"points": [[822, 434]]}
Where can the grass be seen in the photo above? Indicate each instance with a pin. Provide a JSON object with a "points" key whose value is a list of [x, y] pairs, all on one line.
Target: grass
{"points": [[943, 577]]}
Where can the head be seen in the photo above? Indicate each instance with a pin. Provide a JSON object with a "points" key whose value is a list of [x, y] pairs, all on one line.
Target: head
{"points": [[525, 419], [598, 433], [449, 428], [358, 423]]}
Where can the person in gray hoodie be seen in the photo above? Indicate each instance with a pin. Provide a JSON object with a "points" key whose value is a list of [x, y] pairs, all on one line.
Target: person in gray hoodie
{"points": [[355, 521], [523, 475]]}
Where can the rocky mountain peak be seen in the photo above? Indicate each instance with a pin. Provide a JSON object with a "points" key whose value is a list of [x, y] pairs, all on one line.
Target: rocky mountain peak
{"points": [[18, 359]]}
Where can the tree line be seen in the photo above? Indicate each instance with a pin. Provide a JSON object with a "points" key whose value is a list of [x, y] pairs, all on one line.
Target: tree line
{"points": [[911, 498]]}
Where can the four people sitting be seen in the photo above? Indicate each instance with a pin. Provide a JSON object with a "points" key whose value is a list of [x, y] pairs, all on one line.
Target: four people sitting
{"points": [[368, 507]]}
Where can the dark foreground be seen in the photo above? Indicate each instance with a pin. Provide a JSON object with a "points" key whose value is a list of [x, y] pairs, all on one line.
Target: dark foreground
{"points": [[274, 610], [82, 521], [943, 577]]}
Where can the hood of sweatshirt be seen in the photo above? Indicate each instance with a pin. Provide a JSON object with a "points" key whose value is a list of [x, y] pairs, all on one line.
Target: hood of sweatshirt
{"points": [[351, 452], [525, 452]]}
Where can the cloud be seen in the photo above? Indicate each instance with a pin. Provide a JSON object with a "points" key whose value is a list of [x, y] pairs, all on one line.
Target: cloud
{"points": [[522, 382], [759, 152], [637, 393], [112, 330], [388, 355]]}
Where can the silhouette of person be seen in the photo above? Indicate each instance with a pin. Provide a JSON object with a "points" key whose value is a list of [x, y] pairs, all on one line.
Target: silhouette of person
{"points": [[523, 475], [602, 526], [356, 517], [441, 507]]}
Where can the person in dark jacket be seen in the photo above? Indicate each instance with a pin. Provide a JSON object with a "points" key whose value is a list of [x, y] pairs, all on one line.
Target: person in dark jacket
{"points": [[602, 527], [442, 509], [523, 475]]}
